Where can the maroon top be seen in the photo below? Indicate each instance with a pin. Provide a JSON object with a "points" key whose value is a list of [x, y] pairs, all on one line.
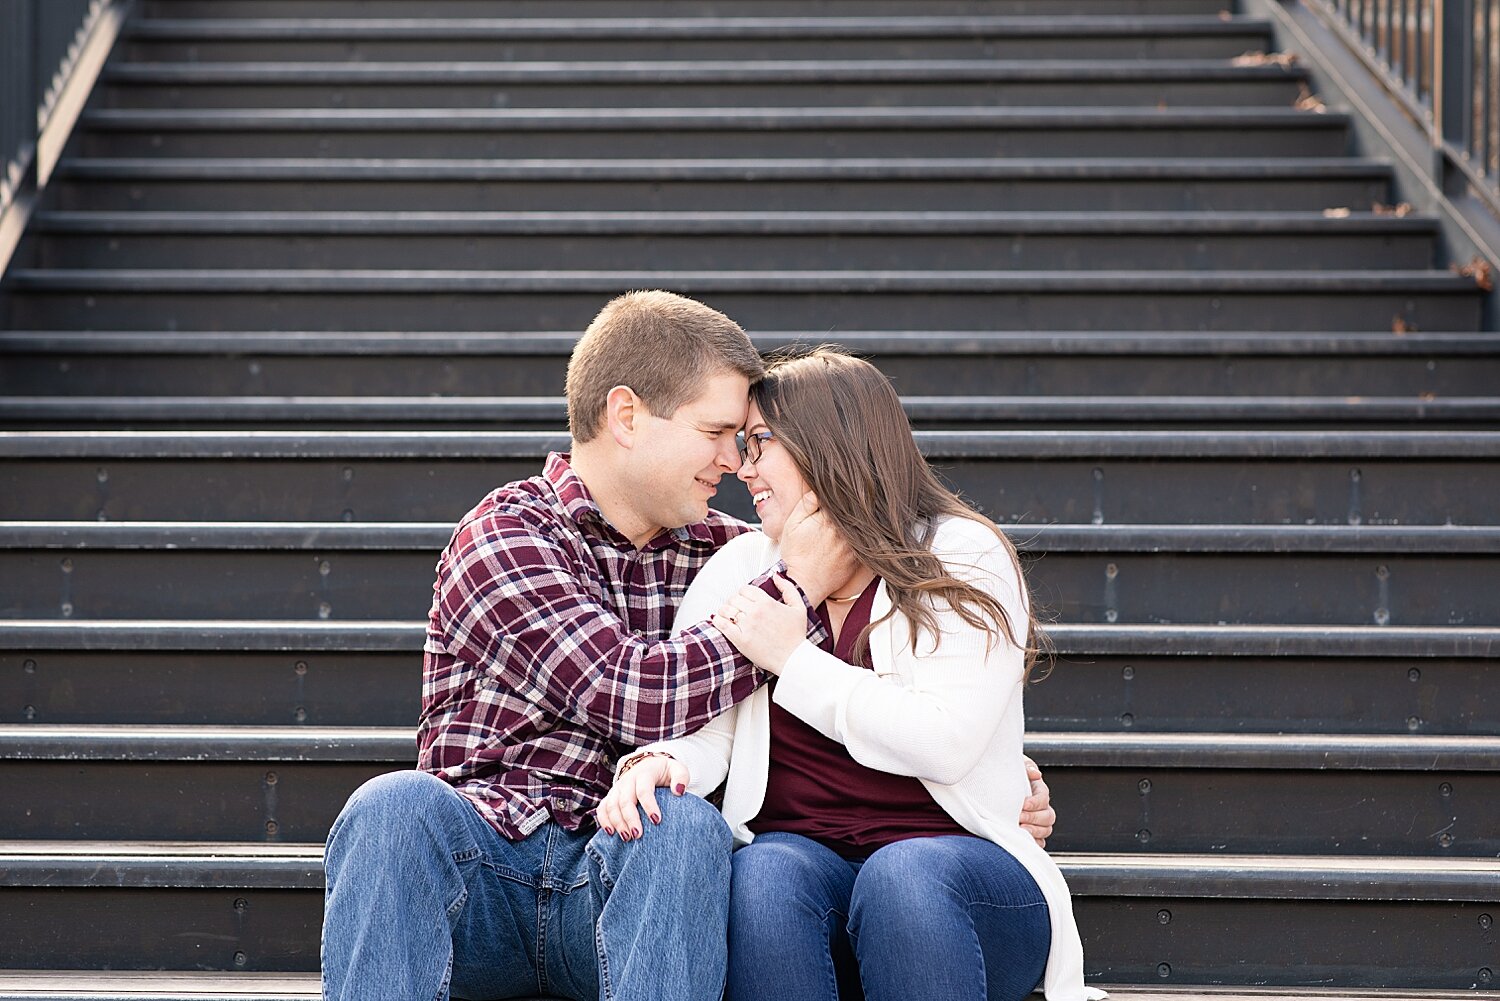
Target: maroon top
{"points": [[814, 788]]}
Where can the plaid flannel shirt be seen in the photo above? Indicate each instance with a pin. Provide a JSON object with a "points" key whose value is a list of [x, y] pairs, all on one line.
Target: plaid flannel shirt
{"points": [[549, 653]]}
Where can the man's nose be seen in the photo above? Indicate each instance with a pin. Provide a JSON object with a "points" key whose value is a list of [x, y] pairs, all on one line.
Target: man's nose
{"points": [[729, 457]]}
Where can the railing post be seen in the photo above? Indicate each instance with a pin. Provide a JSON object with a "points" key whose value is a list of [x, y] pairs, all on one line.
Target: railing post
{"points": [[1453, 82], [33, 92]]}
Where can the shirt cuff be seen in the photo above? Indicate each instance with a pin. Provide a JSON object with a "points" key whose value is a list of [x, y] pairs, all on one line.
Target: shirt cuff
{"points": [[815, 629]]}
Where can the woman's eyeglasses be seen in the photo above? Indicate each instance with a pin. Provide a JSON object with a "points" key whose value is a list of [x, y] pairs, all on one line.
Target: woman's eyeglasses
{"points": [[751, 444]]}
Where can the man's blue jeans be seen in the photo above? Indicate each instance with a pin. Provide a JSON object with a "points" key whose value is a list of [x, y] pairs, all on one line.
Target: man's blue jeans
{"points": [[956, 918], [424, 898]]}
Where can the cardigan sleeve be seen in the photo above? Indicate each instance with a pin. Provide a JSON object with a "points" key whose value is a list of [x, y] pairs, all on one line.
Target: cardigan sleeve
{"points": [[934, 713], [706, 752]]}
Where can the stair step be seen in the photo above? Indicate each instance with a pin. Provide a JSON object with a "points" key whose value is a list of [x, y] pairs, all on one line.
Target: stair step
{"points": [[309, 299], [729, 132], [1082, 573], [1198, 792], [368, 364], [161, 985], [672, 83], [936, 412], [743, 241], [1243, 477], [191, 985], [551, 9], [1144, 919], [787, 184], [1121, 36], [1119, 678]]}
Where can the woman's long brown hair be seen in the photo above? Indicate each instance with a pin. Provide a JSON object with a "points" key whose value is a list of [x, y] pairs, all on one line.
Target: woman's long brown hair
{"points": [[842, 423]]}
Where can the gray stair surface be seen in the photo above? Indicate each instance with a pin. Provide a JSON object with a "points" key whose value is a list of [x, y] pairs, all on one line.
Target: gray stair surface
{"points": [[302, 290]]}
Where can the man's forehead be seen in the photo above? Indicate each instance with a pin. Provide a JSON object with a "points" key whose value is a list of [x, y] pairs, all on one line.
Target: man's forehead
{"points": [[723, 403]]}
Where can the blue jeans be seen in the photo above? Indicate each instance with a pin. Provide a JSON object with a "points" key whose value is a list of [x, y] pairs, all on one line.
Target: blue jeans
{"points": [[424, 898], [945, 917]]}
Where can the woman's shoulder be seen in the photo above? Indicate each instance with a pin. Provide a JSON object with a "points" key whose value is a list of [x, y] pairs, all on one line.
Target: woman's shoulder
{"points": [[752, 551], [959, 536]]}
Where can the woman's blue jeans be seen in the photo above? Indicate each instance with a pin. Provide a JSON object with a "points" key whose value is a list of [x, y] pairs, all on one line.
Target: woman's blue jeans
{"points": [[947, 917], [424, 898]]}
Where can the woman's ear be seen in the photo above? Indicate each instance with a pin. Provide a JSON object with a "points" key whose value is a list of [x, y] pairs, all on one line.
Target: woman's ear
{"points": [[623, 411]]}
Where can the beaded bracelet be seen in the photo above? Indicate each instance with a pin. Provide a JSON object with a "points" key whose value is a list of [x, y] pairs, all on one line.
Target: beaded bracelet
{"points": [[636, 759]]}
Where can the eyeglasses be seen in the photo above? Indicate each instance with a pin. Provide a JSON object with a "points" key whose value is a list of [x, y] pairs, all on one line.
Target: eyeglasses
{"points": [[751, 444]]}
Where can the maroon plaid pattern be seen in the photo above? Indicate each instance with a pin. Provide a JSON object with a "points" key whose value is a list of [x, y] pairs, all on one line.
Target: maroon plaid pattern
{"points": [[548, 652]]}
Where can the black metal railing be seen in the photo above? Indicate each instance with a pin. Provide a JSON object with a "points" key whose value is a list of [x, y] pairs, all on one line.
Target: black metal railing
{"points": [[1442, 57], [39, 41]]}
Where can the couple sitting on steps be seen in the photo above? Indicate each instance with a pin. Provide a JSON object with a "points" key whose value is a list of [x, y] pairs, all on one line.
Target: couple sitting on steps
{"points": [[604, 651]]}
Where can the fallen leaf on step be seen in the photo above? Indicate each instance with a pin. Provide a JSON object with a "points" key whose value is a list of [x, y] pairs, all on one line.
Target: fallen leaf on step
{"points": [[1399, 211], [1400, 326], [1482, 271], [1338, 213], [1286, 60], [1308, 101]]}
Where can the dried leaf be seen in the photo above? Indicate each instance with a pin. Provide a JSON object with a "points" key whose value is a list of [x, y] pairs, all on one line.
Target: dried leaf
{"points": [[1308, 101], [1225, 15], [1427, 397], [1338, 213], [1399, 326], [1286, 60], [1399, 211], [1479, 269]]}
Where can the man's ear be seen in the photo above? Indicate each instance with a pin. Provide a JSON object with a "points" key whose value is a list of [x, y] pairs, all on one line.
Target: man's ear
{"points": [[623, 413]]}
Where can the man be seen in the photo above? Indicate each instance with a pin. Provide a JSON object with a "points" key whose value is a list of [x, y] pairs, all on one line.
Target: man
{"points": [[547, 657]]}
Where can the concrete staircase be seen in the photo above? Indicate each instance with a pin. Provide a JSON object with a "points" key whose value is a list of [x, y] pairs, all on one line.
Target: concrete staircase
{"points": [[303, 289]]}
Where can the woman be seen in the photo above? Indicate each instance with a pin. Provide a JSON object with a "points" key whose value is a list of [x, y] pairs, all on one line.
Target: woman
{"points": [[876, 781]]}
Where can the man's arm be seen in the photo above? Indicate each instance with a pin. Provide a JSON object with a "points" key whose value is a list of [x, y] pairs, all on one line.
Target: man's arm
{"points": [[511, 601]]}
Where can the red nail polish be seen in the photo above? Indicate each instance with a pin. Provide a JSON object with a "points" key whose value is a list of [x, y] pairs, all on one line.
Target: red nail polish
{"points": [[655, 819], [609, 830], [679, 788]]}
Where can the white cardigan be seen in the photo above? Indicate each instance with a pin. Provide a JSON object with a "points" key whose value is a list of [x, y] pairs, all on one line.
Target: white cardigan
{"points": [[950, 716]]}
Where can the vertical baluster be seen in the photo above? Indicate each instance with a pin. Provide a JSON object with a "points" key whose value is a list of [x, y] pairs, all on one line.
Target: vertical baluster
{"points": [[1487, 33], [1387, 34], [1397, 26], [1455, 83]]}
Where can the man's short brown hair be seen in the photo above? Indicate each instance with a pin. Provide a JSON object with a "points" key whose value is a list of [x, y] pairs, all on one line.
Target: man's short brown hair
{"points": [[663, 346]]}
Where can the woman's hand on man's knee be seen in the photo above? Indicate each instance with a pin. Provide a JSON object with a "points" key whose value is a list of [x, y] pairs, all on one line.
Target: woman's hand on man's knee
{"points": [[619, 813]]}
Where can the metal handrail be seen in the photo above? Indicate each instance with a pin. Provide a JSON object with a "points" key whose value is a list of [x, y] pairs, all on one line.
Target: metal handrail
{"points": [[1441, 59], [40, 41]]}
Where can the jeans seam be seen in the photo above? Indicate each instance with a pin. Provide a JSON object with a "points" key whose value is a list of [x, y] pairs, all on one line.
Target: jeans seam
{"points": [[442, 991], [606, 984], [543, 900]]}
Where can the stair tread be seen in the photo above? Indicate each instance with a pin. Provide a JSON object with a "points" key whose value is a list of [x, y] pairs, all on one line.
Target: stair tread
{"points": [[1418, 642], [511, 29], [395, 410], [1129, 749], [302, 168], [936, 342], [692, 119], [698, 71], [310, 280], [753, 222], [934, 444], [337, 535], [195, 985], [299, 866]]}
